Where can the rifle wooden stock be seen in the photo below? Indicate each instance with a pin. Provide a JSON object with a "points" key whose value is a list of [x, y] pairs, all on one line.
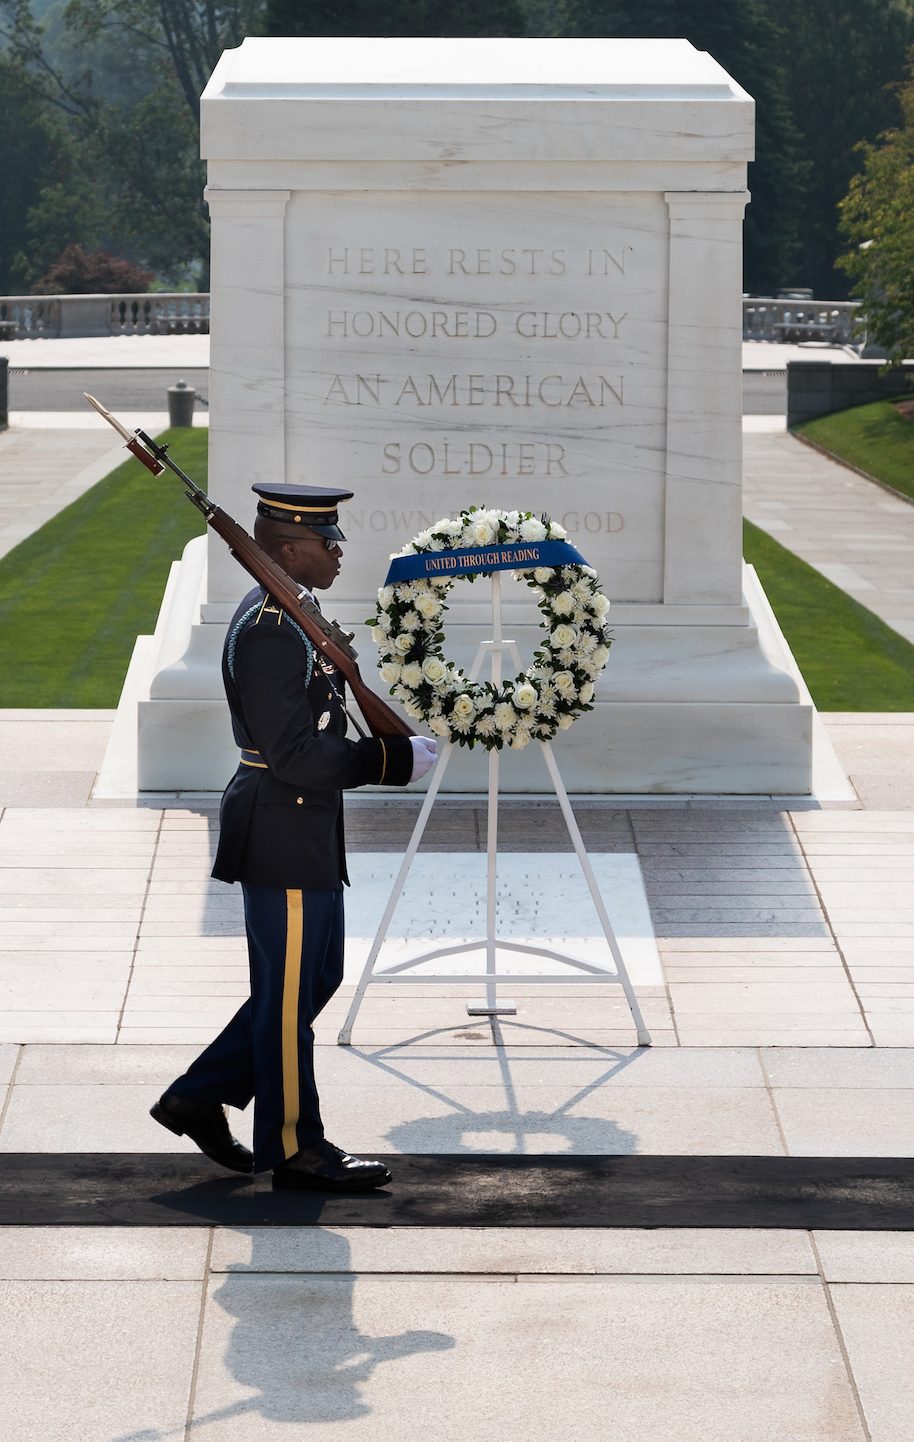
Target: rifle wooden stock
{"points": [[381, 719]]}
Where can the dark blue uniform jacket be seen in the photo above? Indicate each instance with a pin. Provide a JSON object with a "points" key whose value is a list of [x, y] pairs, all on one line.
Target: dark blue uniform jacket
{"points": [[282, 812]]}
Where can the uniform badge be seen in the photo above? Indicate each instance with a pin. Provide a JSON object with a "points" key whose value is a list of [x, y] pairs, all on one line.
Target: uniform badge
{"points": [[324, 722]]}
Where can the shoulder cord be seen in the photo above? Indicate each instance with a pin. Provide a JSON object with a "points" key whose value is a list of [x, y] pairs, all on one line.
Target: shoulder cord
{"points": [[242, 622]]}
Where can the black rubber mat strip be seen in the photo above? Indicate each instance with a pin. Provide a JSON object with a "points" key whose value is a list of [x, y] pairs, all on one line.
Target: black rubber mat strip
{"points": [[161, 1189]]}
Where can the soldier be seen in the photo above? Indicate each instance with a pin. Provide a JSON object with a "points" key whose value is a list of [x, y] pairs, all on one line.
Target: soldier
{"points": [[282, 838]]}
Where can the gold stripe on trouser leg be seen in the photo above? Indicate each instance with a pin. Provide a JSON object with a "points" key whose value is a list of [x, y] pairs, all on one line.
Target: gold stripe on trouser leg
{"points": [[290, 991]]}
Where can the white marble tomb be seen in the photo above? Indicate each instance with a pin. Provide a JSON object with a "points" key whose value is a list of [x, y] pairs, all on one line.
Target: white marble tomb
{"points": [[503, 272]]}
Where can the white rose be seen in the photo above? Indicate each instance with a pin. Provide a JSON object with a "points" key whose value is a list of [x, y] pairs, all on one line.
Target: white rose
{"points": [[483, 533], [390, 672], [525, 696], [385, 596], [411, 621], [565, 722], [428, 607], [505, 716], [563, 603], [586, 692], [599, 604], [464, 707], [434, 669], [403, 644], [564, 684], [532, 530], [600, 656], [542, 574], [562, 636], [557, 532], [450, 528], [439, 726], [411, 674], [379, 636]]}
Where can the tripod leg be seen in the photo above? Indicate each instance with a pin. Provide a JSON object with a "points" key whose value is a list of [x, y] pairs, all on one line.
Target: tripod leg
{"points": [[644, 1036], [345, 1036]]}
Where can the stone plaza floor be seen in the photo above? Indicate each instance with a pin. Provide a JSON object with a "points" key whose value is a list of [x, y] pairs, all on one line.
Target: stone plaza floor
{"points": [[783, 1025]]}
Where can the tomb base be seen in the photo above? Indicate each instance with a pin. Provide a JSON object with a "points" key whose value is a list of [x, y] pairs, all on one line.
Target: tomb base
{"points": [[682, 708]]}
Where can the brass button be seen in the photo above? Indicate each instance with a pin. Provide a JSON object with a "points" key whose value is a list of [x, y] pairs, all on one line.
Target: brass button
{"points": [[299, 800]]}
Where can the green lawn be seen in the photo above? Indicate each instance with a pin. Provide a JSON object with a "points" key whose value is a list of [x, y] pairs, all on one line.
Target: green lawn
{"points": [[851, 660], [874, 437], [75, 595]]}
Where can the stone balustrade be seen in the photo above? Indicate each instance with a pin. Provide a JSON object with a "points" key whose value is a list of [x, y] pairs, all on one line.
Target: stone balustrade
{"points": [[25, 317], [790, 321]]}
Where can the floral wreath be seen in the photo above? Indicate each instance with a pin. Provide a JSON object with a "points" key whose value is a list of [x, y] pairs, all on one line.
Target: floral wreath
{"points": [[542, 700]]}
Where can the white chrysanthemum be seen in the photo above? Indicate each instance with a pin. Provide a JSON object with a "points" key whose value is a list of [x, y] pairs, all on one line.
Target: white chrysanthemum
{"points": [[411, 674], [520, 739], [390, 672], [439, 726], [412, 708], [385, 596], [532, 530], [563, 603], [423, 539], [557, 532], [485, 725], [505, 716], [410, 621]]}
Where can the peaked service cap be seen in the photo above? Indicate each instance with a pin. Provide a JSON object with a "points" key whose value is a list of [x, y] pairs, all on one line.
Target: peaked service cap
{"points": [[311, 506]]}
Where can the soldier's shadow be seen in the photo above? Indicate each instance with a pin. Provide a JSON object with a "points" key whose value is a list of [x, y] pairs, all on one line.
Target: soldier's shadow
{"points": [[296, 1338]]}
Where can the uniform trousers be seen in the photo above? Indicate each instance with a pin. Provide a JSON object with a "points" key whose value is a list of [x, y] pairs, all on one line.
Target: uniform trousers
{"points": [[295, 946]]}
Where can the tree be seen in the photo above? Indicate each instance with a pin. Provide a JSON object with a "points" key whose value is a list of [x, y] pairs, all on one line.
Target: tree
{"points": [[877, 218], [458, 18], [742, 36], [138, 150], [842, 61], [94, 272]]}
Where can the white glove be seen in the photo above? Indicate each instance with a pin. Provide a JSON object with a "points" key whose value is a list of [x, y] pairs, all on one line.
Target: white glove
{"points": [[425, 754]]}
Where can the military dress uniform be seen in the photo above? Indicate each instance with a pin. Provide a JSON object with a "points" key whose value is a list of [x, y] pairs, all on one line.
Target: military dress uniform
{"points": [[282, 838]]}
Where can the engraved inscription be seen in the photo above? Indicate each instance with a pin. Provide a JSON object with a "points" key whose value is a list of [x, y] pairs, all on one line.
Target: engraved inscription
{"points": [[521, 392], [502, 262]]}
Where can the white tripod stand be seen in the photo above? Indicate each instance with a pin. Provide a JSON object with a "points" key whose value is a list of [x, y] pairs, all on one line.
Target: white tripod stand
{"points": [[583, 971]]}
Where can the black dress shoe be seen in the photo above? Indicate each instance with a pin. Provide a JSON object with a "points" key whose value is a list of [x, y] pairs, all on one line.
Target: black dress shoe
{"points": [[324, 1168], [205, 1123]]}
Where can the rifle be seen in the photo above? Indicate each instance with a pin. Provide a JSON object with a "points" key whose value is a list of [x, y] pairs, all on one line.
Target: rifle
{"points": [[328, 636]]}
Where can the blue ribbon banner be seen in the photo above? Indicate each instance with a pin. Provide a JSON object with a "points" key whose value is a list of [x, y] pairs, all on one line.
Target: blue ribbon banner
{"points": [[519, 556]]}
